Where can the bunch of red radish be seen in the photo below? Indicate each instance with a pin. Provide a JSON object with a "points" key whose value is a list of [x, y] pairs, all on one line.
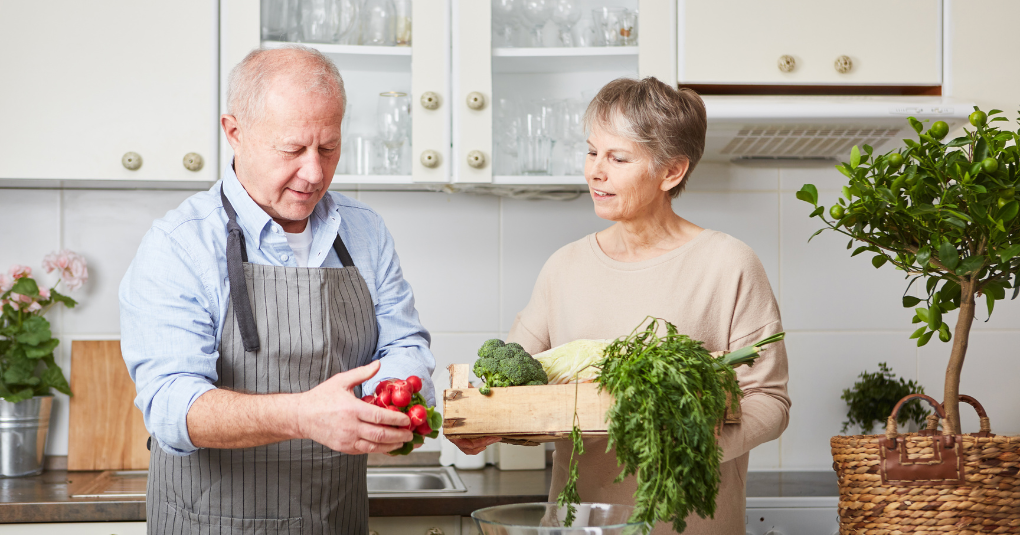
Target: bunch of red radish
{"points": [[404, 395]]}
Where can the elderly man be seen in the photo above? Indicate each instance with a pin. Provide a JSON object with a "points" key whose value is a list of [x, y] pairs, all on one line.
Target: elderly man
{"points": [[253, 315]]}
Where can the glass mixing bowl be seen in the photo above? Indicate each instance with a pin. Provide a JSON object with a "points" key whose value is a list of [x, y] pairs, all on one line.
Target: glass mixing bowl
{"points": [[547, 519]]}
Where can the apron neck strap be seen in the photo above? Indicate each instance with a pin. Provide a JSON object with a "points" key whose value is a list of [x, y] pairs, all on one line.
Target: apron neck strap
{"points": [[237, 256]]}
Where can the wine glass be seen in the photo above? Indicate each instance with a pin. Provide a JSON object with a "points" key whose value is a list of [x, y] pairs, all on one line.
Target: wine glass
{"points": [[504, 13], [378, 23], [566, 13], [320, 20], [536, 13], [279, 20], [393, 118]]}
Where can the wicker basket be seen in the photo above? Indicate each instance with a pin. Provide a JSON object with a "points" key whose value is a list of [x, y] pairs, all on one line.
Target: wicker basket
{"points": [[928, 482]]}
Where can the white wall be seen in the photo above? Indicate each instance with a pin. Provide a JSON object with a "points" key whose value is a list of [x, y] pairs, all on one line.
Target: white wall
{"points": [[472, 260]]}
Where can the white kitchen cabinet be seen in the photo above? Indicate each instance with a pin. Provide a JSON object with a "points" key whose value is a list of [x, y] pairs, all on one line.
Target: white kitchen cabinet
{"points": [[84, 83], [847, 42], [452, 56], [77, 528]]}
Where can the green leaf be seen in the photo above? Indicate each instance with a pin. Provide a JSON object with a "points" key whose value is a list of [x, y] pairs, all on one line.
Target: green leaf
{"points": [[20, 395], [923, 256], [860, 250], [1009, 211], [994, 112], [934, 318], [58, 297], [923, 314], [948, 255], [879, 260], [1009, 253], [817, 211], [855, 157], [924, 338], [990, 301], [808, 193], [971, 264], [959, 142], [909, 301], [41, 350], [980, 151], [918, 127], [843, 168], [53, 377], [418, 439], [846, 194], [35, 330], [919, 332], [435, 420], [26, 286]]}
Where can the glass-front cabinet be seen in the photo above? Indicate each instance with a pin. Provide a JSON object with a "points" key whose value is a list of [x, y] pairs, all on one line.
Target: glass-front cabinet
{"points": [[463, 91]]}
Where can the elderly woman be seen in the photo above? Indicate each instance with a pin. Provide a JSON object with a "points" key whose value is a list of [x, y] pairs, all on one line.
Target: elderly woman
{"points": [[645, 139]]}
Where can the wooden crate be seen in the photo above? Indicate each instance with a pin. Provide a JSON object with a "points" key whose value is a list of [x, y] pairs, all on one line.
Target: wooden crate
{"points": [[527, 414]]}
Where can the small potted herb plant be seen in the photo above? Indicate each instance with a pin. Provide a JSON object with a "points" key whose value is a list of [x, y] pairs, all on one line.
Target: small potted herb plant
{"points": [[28, 369], [872, 398], [945, 213]]}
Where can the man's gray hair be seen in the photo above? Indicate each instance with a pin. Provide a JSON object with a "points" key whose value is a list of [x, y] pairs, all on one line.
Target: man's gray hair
{"points": [[250, 80]]}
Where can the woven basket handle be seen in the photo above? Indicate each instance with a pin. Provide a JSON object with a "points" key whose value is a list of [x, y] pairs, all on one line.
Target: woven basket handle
{"points": [[890, 425], [986, 425]]}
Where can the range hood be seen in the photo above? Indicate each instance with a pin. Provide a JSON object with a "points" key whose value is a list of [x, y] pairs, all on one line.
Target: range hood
{"points": [[781, 130]]}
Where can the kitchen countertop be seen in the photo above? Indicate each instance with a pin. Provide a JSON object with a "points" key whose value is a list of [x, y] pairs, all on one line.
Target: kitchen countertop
{"points": [[46, 497]]}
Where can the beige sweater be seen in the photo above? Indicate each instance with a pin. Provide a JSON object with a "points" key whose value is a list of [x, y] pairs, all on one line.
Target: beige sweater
{"points": [[713, 289]]}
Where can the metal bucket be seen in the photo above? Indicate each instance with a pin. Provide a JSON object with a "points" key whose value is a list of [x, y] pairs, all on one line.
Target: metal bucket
{"points": [[23, 427]]}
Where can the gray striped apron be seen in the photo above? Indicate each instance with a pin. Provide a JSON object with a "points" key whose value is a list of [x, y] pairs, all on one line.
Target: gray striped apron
{"points": [[286, 330]]}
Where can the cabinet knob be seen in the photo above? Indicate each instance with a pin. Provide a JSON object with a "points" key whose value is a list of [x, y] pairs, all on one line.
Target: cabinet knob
{"points": [[476, 159], [430, 100], [373, 532], [131, 161], [430, 159], [193, 161], [434, 531], [844, 64], [787, 63], [475, 100]]}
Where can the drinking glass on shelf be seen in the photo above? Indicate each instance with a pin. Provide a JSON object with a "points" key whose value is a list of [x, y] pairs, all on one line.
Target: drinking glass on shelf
{"points": [[630, 28], [279, 20], [534, 140], [536, 13], [319, 21], [609, 21], [393, 118], [565, 14], [583, 31], [363, 155], [402, 25], [506, 119], [378, 24], [347, 22], [504, 19]]}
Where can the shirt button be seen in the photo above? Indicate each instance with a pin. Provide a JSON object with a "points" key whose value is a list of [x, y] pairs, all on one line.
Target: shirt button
{"points": [[285, 257]]}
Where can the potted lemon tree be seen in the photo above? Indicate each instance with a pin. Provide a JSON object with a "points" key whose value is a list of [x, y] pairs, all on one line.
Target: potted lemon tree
{"points": [[943, 212]]}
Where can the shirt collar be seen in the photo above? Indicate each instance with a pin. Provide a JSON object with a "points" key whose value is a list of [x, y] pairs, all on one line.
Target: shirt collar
{"points": [[253, 219]]}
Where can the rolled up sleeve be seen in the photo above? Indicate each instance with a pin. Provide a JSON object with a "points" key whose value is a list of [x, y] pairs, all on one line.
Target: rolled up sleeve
{"points": [[168, 337], [403, 347]]}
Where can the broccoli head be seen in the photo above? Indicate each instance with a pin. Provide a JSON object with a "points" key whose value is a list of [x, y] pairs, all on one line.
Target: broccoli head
{"points": [[502, 364]]}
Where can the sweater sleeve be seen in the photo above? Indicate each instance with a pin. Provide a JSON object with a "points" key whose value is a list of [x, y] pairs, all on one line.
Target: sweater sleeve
{"points": [[765, 407]]}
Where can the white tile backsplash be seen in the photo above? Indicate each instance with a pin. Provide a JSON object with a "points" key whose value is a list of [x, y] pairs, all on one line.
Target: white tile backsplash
{"points": [[472, 261]]}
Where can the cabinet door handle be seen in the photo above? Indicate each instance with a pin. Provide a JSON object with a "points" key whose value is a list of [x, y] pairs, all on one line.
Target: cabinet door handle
{"points": [[430, 100], [476, 159], [434, 531], [131, 161], [430, 159], [193, 161], [844, 64], [475, 100], [787, 63]]}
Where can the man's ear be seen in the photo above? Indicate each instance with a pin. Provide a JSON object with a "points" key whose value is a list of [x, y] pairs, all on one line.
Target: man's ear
{"points": [[232, 130], [675, 174]]}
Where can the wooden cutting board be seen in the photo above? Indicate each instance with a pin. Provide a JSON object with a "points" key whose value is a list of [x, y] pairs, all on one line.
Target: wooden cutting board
{"points": [[106, 430]]}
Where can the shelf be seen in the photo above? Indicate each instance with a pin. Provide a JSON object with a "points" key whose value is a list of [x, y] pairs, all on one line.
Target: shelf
{"points": [[538, 180], [359, 58], [564, 59]]}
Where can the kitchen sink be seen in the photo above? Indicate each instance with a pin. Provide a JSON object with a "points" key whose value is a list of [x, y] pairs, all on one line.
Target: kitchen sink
{"points": [[381, 480]]}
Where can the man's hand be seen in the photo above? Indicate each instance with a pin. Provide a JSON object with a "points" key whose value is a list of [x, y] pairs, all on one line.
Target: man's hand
{"points": [[331, 415], [473, 446]]}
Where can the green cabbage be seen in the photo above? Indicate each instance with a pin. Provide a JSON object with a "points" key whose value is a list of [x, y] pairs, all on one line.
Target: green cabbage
{"points": [[573, 359]]}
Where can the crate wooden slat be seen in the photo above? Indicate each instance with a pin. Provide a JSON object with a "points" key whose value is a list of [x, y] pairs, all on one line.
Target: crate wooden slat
{"points": [[526, 414]]}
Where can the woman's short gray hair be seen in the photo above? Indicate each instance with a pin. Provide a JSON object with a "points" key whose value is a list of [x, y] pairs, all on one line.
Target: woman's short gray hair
{"points": [[668, 123], [249, 81]]}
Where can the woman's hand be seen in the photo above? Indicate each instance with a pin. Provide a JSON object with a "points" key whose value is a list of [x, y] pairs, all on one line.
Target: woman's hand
{"points": [[474, 446]]}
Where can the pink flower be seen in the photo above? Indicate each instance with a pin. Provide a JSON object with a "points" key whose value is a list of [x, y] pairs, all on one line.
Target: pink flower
{"points": [[34, 307], [6, 283], [71, 265], [18, 271], [44, 293], [20, 297]]}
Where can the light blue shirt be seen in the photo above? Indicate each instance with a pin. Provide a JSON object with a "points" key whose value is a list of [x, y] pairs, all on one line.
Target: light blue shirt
{"points": [[174, 296]]}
